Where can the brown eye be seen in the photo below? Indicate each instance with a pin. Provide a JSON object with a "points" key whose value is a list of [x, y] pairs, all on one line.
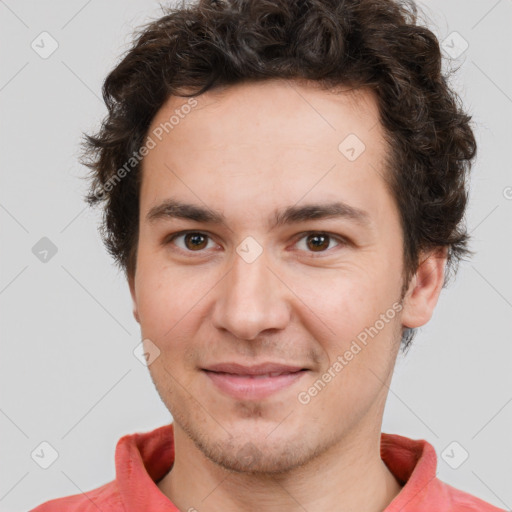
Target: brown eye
{"points": [[189, 241], [195, 241], [319, 242]]}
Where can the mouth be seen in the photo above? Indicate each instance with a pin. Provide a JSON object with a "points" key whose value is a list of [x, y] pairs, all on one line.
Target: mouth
{"points": [[253, 382]]}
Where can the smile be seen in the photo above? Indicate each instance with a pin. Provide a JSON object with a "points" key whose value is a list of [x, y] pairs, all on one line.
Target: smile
{"points": [[253, 382], [253, 385]]}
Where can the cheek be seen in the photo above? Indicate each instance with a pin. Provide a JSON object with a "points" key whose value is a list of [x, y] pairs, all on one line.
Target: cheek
{"points": [[166, 299], [360, 359], [343, 301], [356, 322]]}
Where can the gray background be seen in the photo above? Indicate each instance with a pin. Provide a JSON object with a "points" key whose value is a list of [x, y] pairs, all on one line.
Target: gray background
{"points": [[68, 373]]}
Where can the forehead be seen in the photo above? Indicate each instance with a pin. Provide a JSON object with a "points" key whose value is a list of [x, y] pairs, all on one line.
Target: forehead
{"points": [[261, 141], [257, 111]]}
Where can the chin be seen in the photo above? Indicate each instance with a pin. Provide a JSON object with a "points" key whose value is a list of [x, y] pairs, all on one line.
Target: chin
{"points": [[254, 458], [252, 438], [257, 450]]}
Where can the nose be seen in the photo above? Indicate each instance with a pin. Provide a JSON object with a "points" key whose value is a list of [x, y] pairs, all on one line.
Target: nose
{"points": [[251, 299]]}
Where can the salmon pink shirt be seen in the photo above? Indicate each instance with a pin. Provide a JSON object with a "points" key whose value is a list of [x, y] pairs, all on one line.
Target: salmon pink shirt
{"points": [[142, 459]]}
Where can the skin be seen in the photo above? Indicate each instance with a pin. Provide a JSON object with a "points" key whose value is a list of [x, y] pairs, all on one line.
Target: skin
{"points": [[246, 151]]}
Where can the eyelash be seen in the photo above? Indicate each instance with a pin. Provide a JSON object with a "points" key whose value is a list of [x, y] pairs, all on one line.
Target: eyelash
{"points": [[342, 242]]}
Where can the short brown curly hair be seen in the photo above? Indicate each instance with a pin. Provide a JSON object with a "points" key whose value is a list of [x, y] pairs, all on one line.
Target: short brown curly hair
{"points": [[375, 44]]}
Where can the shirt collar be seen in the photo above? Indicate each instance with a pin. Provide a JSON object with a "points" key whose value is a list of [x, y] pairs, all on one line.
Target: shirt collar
{"points": [[142, 459]]}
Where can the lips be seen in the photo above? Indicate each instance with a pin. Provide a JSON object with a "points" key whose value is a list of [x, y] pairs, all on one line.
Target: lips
{"points": [[262, 369], [254, 382]]}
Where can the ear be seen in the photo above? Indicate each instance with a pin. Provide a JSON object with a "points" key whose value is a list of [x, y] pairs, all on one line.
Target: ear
{"points": [[424, 288], [131, 284]]}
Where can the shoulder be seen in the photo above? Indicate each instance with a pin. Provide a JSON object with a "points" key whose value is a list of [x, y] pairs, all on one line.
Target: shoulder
{"points": [[457, 500], [105, 498]]}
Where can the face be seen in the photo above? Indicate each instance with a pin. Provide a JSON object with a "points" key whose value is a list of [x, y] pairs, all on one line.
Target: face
{"points": [[274, 319]]}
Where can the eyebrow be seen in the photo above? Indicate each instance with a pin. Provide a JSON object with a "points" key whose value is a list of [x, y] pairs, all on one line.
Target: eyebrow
{"points": [[174, 209]]}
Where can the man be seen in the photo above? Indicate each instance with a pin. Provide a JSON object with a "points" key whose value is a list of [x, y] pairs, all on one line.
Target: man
{"points": [[284, 185]]}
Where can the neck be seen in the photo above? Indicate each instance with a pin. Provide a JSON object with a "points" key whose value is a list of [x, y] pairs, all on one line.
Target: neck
{"points": [[350, 476]]}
